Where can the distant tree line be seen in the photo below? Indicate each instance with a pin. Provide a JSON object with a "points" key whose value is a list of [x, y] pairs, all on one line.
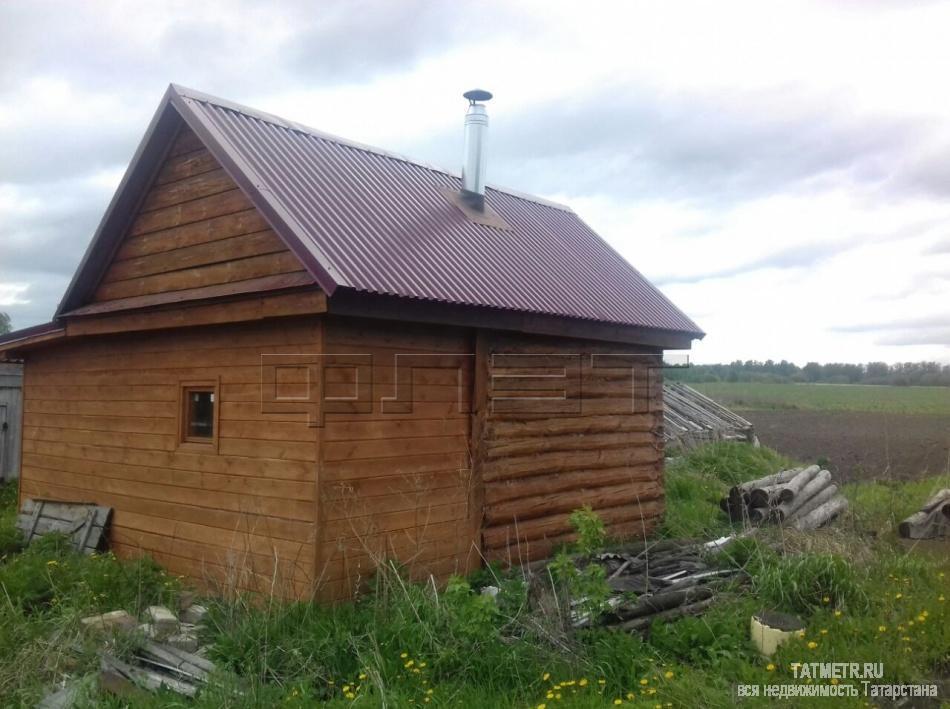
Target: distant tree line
{"points": [[5, 325], [900, 374]]}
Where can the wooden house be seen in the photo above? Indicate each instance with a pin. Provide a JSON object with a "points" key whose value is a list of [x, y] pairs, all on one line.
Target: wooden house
{"points": [[286, 356]]}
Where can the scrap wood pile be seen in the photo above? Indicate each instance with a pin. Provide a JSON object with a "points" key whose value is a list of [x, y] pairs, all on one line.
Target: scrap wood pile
{"points": [[659, 580], [691, 419], [805, 498], [933, 519]]}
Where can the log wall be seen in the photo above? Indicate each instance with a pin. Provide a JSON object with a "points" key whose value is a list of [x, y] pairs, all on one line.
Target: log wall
{"points": [[562, 424], [101, 424]]}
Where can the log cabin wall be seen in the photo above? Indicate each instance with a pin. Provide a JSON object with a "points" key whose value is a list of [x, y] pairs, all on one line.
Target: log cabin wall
{"points": [[395, 471], [195, 229], [102, 424], [561, 424]]}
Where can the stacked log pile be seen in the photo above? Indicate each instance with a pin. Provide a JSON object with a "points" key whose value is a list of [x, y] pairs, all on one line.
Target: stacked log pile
{"points": [[805, 498], [659, 580], [933, 519]]}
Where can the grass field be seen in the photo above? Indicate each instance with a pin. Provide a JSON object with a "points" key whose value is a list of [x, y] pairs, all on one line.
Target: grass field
{"points": [[830, 397], [862, 596]]}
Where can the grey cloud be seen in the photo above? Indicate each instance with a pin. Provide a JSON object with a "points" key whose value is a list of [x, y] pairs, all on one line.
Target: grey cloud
{"points": [[905, 324], [931, 336], [633, 143]]}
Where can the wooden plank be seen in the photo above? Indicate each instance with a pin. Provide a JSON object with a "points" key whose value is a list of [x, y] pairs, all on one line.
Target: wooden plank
{"points": [[245, 310], [209, 482], [229, 272], [192, 163], [179, 460], [242, 246], [204, 231], [217, 500], [195, 211], [186, 189]]}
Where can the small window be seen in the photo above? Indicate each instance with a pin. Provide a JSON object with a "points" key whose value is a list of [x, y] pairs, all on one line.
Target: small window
{"points": [[199, 414]]}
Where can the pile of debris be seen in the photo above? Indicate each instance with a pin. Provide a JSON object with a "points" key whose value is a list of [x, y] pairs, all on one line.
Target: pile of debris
{"points": [[932, 521], [658, 580], [806, 498], [166, 653]]}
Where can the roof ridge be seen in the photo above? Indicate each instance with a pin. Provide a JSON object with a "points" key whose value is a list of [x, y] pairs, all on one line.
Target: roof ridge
{"points": [[195, 95]]}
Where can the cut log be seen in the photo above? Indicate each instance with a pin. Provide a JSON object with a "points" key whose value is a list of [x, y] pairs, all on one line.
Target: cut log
{"points": [[758, 515], [804, 493], [639, 624], [783, 476], [661, 602], [814, 503], [770, 495], [822, 514], [800, 481], [933, 519]]}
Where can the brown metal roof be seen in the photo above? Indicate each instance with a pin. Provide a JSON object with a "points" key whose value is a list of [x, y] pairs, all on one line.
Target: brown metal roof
{"points": [[363, 219]]}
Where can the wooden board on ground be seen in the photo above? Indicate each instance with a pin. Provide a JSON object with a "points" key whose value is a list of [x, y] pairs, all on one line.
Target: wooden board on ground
{"points": [[84, 523]]}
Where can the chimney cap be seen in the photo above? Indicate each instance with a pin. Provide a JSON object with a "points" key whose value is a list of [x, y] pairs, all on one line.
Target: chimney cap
{"points": [[477, 95]]}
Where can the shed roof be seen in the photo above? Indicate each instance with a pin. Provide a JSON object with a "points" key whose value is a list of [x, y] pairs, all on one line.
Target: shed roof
{"points": [[369, 221]]}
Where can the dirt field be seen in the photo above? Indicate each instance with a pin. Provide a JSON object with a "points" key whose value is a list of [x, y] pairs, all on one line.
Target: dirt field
{"points": [[859, 445]]}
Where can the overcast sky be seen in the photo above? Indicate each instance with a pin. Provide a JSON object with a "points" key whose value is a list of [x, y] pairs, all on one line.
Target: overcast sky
{"points": [[780, 170]]}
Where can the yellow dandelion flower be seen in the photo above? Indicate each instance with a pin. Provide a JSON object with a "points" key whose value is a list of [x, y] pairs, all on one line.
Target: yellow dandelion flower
{"points": [[941, 599], [668, 674], [631, 696], [925, 613], [403, 655], [812, 645], [834, 680], [542, 706], [350, 695], [618, 702], [906, 639], [430, 691], [837, 614], [824, 631], [583, 682], [644, 681], [651, 690], [898, 596], [550, 695], [770, 667], [546, 676], [416, 670], [801, 633], [601, 681], [427, 699], [557, 696], [882, 628], [362, 675], [422, 664], [826, 600], [921, 618]]}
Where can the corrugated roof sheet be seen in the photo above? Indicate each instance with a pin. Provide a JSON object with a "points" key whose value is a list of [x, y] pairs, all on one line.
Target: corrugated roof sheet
{"points": [[382, 224], [373, 222]]}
